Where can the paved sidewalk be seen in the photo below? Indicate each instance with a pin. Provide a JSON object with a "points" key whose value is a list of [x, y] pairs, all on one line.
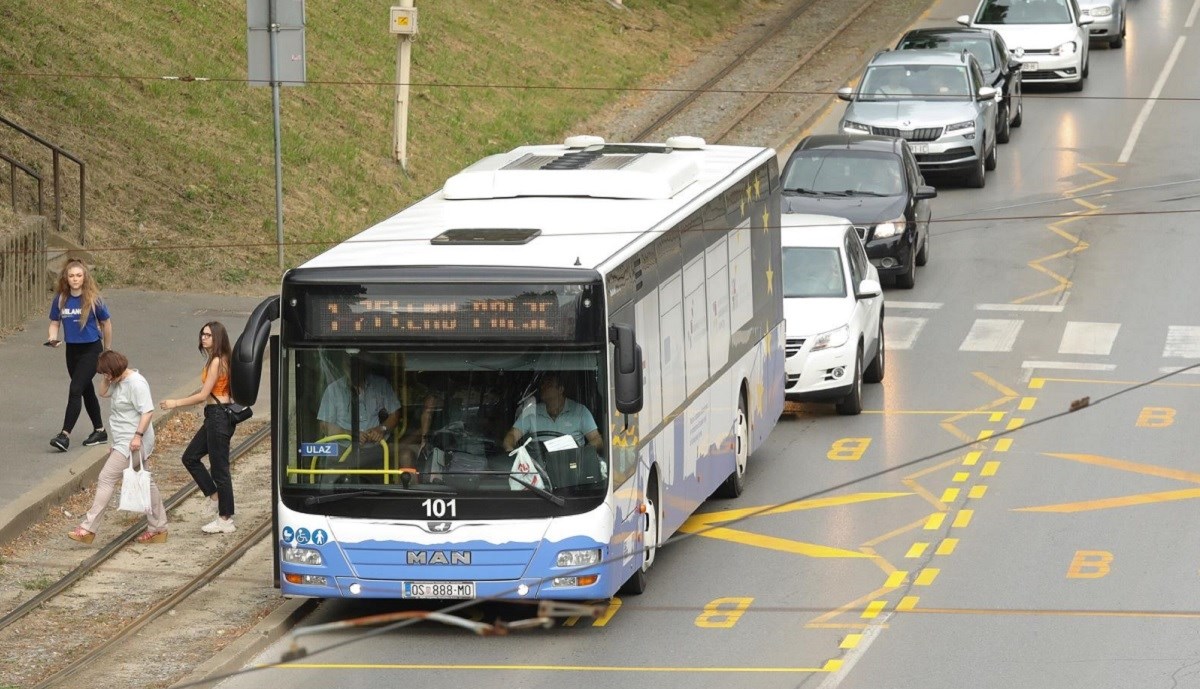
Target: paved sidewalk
{"points": [[156, 330]]}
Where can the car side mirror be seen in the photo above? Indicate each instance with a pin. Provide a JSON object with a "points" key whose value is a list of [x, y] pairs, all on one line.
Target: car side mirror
{"points": [[964, 19], [845, 93], [987, 92], [1017, 52], [925, 192], [1084, 21], [868, 289]]}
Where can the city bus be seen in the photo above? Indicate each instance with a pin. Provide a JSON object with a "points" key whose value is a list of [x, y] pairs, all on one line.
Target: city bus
{"points": [[522, 384]]}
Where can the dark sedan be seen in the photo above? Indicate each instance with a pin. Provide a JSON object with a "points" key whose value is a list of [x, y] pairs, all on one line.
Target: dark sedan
{"points": [[872, 181], [1000, 69]]}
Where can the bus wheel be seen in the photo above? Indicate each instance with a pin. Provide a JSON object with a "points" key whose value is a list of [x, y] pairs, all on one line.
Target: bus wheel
{"points": [[736, 483], [651, 522]]}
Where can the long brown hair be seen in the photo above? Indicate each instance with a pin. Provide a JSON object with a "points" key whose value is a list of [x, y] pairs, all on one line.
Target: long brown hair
{"points": [[90, 291], [220, 344]]}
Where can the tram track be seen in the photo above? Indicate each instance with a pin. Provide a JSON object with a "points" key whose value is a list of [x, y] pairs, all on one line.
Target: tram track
{"points": [[757, 79], [164, 603]]}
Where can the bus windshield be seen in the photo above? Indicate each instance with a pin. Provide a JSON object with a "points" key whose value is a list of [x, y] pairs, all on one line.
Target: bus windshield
{"points": [[518, 424]]}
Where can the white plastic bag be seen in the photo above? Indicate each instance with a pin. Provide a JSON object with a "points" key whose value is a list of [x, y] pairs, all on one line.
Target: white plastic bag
{"points": [[524, 468], [135, 487]]}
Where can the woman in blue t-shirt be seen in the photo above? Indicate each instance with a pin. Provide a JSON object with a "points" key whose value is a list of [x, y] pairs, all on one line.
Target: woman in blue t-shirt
{"points": [[87, 330]]}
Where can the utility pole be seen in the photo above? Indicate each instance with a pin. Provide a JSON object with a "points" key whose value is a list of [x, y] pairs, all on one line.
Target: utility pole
{"points": [[403, 23]]}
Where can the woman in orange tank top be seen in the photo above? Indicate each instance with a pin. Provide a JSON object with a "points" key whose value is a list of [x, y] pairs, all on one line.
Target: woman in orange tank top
{"points": [[214, 436]]}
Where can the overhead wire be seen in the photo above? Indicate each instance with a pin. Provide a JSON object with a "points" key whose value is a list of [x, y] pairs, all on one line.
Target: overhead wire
{"points": [[1076, 405]]}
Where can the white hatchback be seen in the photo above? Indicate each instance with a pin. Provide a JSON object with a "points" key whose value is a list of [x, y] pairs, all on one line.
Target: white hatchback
{"points": [[1049, 37], [833, 305]]}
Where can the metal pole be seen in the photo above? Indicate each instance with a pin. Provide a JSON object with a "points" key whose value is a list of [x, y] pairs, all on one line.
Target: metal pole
{"points": [[403, 60], [57, 193], [274, 26], [82, 205]]}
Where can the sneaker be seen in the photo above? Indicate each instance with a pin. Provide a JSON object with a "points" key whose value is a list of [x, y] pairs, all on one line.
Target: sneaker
{"points": [[219, 525], [60, 441], [96, 438]]}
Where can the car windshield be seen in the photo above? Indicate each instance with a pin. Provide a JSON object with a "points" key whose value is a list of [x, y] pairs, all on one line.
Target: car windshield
{"points": [[844, 172], [1024, 12], [813, 272], [980, 47], [915, 82]]}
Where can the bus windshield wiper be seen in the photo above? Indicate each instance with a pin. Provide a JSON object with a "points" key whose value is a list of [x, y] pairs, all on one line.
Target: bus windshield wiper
{"points": [[862, 192], [334, 497], [802, 190]]}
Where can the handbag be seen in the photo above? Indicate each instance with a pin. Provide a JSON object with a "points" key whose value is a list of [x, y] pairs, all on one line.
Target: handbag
{"points": [[237, 413], [135, 487]]}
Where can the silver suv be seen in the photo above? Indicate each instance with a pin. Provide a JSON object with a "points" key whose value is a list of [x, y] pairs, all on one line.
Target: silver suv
{"points": [[936, 100]]}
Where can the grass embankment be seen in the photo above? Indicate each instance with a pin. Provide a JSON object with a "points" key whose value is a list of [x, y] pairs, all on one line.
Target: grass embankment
{"points": [[173, 164]]}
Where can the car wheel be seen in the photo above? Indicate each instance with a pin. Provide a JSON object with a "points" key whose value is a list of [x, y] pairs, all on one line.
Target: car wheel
{"points": [[976, 179], [1087, 67], [1119, 40], [923, 254], [908, 278], [990, 161], [735, 483], [652, 531], [851, 404], [1020, 112], [1076, 86], [874, 372], [1002, 126]]}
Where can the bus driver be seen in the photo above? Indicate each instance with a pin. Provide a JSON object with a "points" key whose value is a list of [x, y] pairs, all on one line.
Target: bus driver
{"points": [[555, 413]]}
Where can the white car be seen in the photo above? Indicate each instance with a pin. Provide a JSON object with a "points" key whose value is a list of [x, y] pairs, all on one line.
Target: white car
{"points": [[1108, 20], [833, 305], [1049, 37]]}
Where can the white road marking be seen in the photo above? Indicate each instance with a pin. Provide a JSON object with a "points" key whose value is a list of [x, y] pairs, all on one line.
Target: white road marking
{"points": [[925, 305], [991, 335], [1180, 371], [834, 680], [1192, 15], [1080, 337], [1068, 365], [1022, 308], [900, 332], [1154, 93], [1182, 341]]}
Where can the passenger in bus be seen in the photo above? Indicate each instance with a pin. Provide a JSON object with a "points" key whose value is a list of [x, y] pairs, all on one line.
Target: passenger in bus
{"points": [[378, 407], [555, 415]]}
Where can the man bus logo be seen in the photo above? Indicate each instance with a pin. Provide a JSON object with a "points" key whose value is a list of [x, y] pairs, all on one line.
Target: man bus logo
{"points": [[439, 557], [439, 527]]}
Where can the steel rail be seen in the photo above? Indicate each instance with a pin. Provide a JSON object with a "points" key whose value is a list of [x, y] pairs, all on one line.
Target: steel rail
{"points": [[113, 546], [160, 608], [774, 30]]}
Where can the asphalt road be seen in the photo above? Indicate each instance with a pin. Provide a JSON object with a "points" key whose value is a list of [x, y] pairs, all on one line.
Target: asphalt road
{"points": [[1062, 555]]}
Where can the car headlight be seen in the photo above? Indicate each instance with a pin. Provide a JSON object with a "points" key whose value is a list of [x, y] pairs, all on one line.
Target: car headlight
{"points": [[1101, 11], [578, 558], [969, 125], [833, 338], [303, 556], [890, 228], [1067, 48], [856, 126]]}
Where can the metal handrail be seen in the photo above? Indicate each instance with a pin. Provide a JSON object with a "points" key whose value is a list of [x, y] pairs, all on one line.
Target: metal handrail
{"points": [[58, 152], [13, 166]]}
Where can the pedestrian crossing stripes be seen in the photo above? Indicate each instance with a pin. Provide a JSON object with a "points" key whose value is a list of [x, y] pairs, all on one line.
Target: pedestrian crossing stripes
{"points": [[1088, 338], [992, 335]]}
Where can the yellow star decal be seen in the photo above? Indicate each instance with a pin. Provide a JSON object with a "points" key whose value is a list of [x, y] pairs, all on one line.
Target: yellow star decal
{"points": [[766, 218], [742, 205], [757, 187], [770, 283]]}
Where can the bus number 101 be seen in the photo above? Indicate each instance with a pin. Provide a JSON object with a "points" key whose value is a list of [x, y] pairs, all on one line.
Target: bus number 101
{"points": [[439, 508]]}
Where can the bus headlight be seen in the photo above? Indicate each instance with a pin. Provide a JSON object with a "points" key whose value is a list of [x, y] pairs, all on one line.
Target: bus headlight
{"points": [[578, 558], [303, 556]]}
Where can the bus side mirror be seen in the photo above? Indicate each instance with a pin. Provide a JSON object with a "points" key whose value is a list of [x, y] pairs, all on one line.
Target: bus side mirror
{"points": [[627, 360], [247, 357]]}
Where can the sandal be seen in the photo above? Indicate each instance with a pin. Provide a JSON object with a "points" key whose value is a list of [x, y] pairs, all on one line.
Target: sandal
{"points": [[81, 534], [149, 536]]}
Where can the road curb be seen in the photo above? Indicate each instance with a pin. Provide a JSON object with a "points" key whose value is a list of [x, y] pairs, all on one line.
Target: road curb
{"points": [[18, 515], [242, 650]]}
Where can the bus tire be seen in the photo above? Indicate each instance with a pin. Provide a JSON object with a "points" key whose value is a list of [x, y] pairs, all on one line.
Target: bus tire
{"points": [[736, 483], [652, 525]]}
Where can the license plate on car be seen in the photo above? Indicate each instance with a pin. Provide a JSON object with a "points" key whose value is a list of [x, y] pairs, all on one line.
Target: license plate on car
{"points": [[1029, 66], [439, 589], [919, 148]]}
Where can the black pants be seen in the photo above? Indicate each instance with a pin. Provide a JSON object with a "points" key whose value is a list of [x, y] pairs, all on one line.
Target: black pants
{"points": [[81, 366], [213, 440]]}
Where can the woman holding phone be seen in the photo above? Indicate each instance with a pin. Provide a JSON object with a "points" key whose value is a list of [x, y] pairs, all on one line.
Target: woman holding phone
{"points": [[87, 329]]}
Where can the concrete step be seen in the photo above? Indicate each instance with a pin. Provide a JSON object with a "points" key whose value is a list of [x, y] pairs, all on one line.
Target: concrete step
{"points": [[59, 249]]}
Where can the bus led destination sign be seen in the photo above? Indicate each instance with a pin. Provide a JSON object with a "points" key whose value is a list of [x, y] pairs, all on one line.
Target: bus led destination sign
{"points": [[525, 317]]}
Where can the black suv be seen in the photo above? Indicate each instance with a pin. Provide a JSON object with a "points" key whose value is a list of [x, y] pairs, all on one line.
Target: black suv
{"points": [[872, 181], [1000, 69]]}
